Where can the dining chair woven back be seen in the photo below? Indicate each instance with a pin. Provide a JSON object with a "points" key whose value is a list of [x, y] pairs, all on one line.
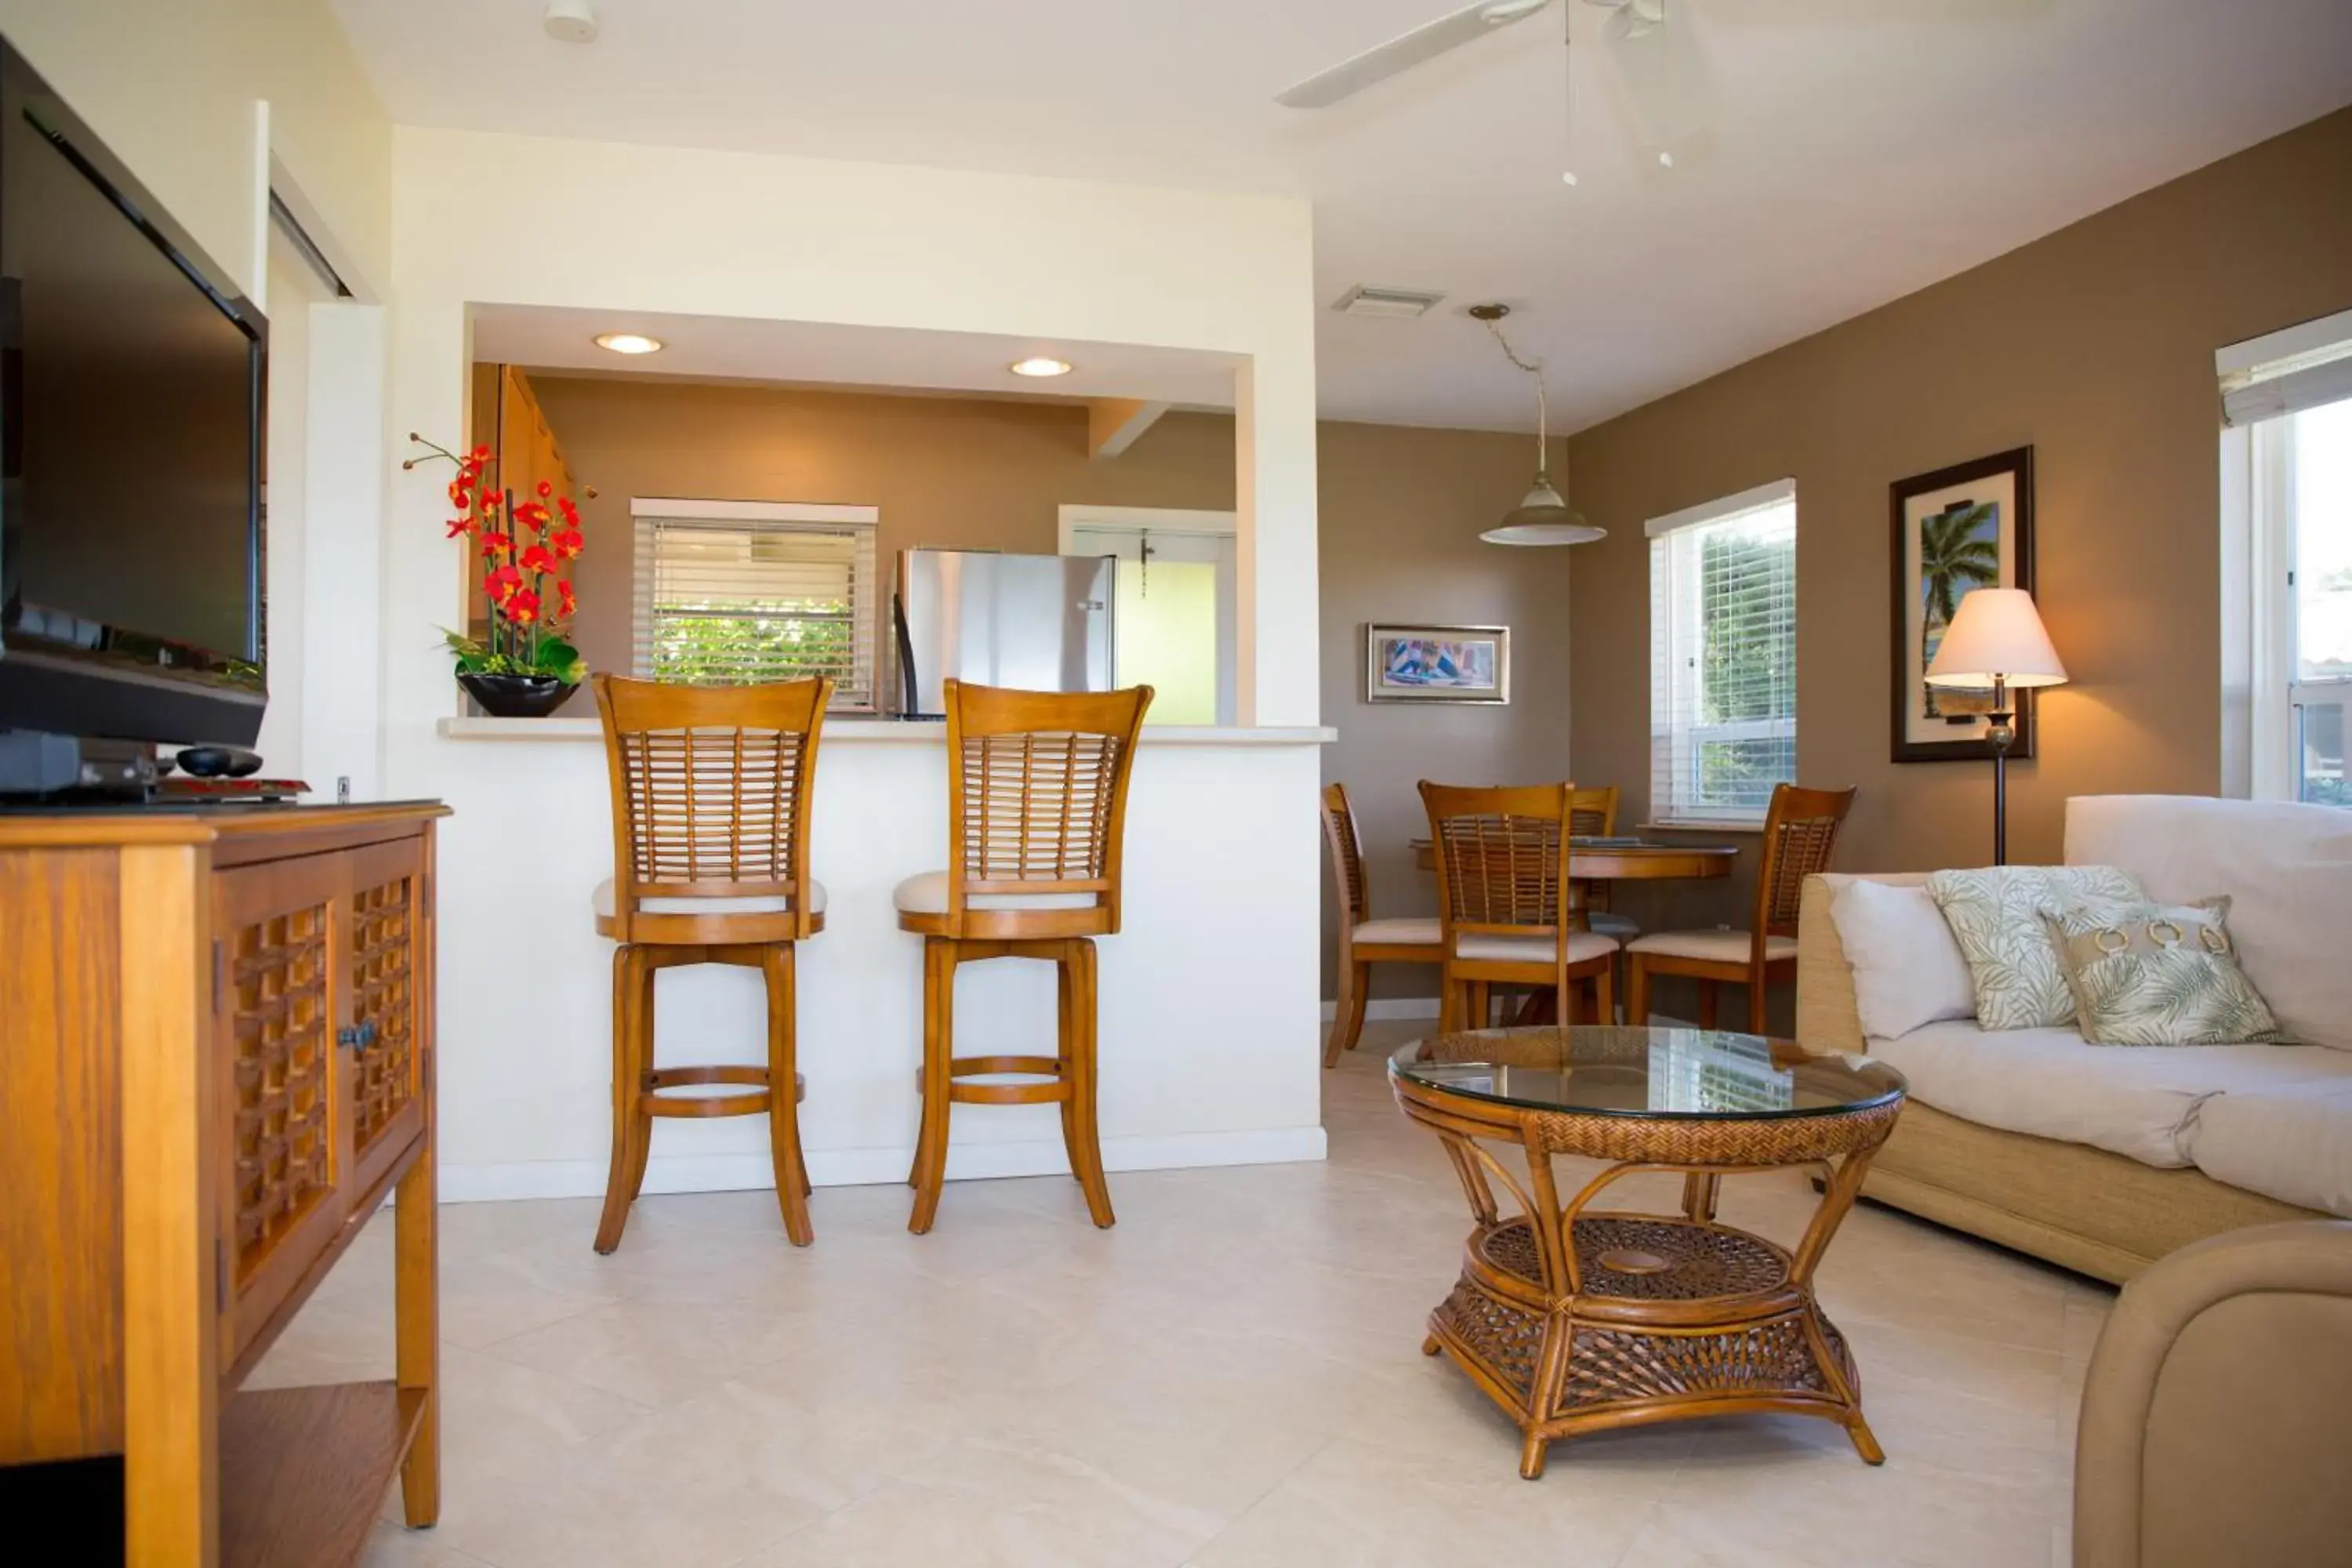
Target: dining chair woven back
{"points": [[1800, 830]]}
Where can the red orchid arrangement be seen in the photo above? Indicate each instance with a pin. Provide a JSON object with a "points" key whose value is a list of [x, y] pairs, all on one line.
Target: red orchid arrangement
{"points": [[525, 545]]}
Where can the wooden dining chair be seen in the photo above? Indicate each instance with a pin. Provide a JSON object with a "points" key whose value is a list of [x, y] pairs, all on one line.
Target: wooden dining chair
{"points": [[1592, 814], [1800, 831], [710, 831], [1036, 816], [1503, 902], [1363, 940]]}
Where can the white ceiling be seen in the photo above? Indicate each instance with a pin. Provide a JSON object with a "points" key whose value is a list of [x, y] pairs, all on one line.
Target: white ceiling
{"points": [[825, 354], [1834, 154]]}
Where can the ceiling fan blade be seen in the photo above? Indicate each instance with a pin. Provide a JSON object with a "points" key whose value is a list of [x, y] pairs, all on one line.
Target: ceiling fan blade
{"points": [[1401, 54]]}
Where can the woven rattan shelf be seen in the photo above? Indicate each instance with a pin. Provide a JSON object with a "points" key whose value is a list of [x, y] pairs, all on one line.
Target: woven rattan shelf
{"points": [[1574, 1319]]}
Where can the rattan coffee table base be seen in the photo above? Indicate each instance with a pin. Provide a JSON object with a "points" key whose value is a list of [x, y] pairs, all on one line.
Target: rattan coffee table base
{"points": [[1576, 1319], [1559, 1373]]}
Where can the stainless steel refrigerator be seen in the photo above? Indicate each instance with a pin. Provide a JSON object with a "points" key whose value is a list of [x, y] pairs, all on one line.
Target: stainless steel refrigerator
{"points": [[1042, 623]]}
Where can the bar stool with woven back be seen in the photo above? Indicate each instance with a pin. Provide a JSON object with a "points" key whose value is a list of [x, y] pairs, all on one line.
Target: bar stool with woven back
{"points": [[711, 787], [1800, 829], [1037, 814], [1504, 905], [1363, 940]]}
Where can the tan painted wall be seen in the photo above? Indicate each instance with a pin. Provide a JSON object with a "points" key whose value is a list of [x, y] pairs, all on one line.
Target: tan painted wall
{"points": [[1400, 512], [2095, 345], [944, 471]]}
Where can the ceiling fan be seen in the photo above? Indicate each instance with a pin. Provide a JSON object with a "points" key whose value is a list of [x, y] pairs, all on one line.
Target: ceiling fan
{"points": [[1628, 19]]}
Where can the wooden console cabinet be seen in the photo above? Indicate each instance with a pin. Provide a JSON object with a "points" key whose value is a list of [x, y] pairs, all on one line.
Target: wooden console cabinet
{"points": [[216, 1060]]}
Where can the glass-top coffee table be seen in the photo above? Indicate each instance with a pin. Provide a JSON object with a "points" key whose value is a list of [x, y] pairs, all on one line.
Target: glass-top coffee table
{"points": [[1575, 1319]]}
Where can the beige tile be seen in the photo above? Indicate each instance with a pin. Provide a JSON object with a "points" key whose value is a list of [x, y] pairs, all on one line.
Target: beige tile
{"points": [[1230, 1377], [1360, 1503]]}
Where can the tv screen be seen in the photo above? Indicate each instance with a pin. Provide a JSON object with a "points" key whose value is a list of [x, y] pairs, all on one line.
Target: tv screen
{"points": [[130, 453]]}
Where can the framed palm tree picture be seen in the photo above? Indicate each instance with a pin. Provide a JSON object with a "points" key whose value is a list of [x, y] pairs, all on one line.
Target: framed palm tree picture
{"points": [[1959, 529]]}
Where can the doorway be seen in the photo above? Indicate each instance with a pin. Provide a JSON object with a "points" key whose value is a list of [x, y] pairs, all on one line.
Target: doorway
{"points": [[1173, 624]]}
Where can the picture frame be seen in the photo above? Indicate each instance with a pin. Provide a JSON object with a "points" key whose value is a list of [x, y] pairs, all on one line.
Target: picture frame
{"points": [[1955, 530], [1417, 663]]}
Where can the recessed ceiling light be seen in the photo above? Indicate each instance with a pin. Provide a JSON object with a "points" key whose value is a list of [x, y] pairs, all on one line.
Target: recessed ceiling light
{"points": [[628, 343], [1039, 366]]}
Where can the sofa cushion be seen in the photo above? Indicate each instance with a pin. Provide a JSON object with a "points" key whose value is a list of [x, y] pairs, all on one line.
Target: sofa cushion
{"points": [[2294, 1145], [2158, 974], [2052, 1083], [1908, 970], [2286, 868], [1996, 913]]}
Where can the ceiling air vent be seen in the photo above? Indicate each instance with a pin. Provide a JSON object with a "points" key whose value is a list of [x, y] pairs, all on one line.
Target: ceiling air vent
{"points": [[1396, 304]]}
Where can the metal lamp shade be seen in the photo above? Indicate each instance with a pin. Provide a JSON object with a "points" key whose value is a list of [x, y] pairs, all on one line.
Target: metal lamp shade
{"points": [[1542, 518]]}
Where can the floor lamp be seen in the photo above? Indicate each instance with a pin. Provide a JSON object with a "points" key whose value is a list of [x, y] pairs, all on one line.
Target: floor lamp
{"points": [[1997, 638]]}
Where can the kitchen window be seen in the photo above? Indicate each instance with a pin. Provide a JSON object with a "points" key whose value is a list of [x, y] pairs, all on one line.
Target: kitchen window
{"points": [[734, 593], [1723, 656], [2287, 560]]}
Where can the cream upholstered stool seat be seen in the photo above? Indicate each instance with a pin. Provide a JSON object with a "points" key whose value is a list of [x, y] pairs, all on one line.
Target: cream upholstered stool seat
{"points": [[1406, 931], [1800, 832], [775, 904], [1362, 941], [1506, 905], [711, 788], [926, 893], [1037, 817]]}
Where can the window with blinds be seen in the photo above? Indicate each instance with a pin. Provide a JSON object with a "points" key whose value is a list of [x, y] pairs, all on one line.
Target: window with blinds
{"points": [[733, 593], [1723, 656]]}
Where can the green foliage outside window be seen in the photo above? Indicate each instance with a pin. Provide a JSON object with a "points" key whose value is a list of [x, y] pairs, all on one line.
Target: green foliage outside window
{"points": [[729, 646], [1749, 670]]}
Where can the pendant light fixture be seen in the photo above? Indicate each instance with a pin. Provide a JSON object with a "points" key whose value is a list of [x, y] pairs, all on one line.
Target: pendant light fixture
{"points": [[1542, 517]]}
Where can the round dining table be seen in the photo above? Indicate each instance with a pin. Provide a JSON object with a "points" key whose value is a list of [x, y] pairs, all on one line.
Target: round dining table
{"points": [[1625, 862]]}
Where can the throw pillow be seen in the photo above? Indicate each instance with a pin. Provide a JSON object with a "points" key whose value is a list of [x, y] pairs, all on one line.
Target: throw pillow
{"points": [[1908, 970], [2157, 974], [1996, 913]]}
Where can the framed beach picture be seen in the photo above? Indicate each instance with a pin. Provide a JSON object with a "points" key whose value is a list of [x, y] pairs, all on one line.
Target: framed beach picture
{"points": [[1959, 529], [1437, 664]]}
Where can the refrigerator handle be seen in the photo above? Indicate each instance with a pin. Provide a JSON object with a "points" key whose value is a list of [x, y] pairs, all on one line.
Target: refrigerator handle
{"points": [[906, 656]]}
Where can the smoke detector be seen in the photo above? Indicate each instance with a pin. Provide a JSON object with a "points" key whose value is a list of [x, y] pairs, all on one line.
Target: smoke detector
{"points": [[570, 21], [1396, 304]]}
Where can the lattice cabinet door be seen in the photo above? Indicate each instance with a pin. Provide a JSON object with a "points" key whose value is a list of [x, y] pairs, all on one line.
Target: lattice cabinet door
{"points": [[387, 980], [275, 947]]}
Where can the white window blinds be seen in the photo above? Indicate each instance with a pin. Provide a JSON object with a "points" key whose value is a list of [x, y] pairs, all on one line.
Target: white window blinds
{"points": [[2287, 372], [732, 592], [1723, 655]]}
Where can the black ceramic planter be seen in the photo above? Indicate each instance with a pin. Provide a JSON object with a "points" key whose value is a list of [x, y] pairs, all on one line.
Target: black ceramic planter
{"points": [[517, 696]]}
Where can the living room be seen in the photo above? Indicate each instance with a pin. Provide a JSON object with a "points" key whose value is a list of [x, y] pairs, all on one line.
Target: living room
{"points": [[1321, 297]]}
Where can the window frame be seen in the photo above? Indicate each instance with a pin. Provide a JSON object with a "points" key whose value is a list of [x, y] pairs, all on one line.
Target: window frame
{"points": [[779, 517], [1672, 747], [2263, 383]]}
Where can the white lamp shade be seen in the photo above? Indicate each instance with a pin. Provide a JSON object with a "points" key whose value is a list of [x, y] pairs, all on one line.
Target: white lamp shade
{"points": [[1997, 632]]}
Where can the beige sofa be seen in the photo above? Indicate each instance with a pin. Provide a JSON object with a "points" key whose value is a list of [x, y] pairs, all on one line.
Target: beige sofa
{"points": [[2102, 1158], [2218, 1408]]}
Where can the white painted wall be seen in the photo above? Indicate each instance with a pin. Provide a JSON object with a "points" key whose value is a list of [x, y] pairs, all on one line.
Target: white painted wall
{"points": [[1210, 1012], [172, 86]]}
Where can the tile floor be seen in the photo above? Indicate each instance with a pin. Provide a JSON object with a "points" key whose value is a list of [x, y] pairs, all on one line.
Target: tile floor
{"points": [[1231, 1378]]}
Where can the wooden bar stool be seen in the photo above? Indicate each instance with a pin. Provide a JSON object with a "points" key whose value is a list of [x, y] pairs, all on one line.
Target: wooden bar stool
{"points": [[1037, 810], [1503, 902], [710, 831], [1800, 831], [1363, 940]]}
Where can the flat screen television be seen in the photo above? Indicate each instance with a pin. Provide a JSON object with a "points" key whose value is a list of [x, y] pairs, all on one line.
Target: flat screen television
{"points": [[131, 396]]}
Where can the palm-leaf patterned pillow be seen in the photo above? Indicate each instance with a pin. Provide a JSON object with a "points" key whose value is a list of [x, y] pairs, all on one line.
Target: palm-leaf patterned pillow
{"points": [[2152, 974], [1996, 915]]}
